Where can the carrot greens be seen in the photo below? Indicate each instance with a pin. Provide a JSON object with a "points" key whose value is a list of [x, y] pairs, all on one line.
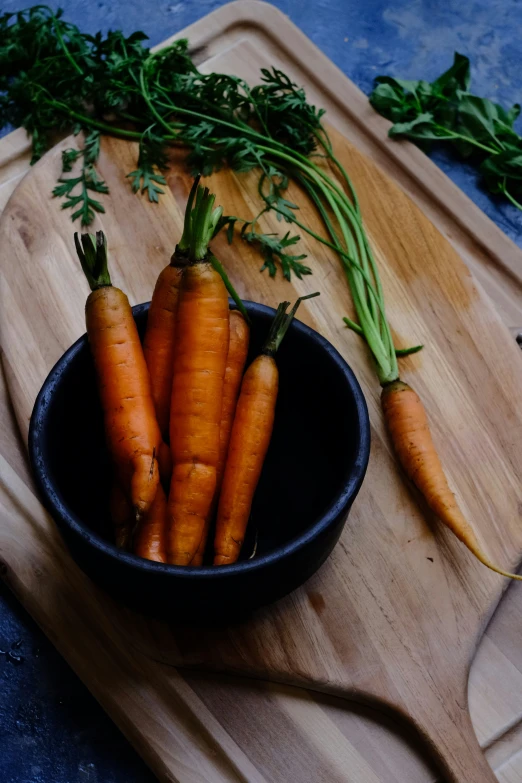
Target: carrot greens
{"points": [[55, 78]]}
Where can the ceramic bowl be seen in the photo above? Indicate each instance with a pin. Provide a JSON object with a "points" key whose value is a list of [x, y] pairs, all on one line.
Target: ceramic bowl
{"points": [[313, 471]]}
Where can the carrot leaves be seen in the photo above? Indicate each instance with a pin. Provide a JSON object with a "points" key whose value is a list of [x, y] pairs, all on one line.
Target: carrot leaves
{"points": [[152, 160], [92, 254], [76, 190], [55, 79]]}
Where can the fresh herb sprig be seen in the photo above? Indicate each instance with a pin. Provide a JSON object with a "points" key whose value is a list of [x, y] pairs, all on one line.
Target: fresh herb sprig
{"points": [[76, 190], [445, 111], [55, 78]]}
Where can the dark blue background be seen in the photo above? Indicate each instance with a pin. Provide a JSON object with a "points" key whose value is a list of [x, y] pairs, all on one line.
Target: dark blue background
{"points": [[51, 730]]}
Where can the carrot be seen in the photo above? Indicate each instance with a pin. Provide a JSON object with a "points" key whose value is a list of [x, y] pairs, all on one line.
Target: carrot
{"points": [[407, 423], [165, 462], [121, 516], [200, 355], [150, 539], [160, 335], [131, 428], [236, 358], [249, 441]]}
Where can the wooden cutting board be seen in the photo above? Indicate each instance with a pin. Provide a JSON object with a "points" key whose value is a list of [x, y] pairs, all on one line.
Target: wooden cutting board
{"points": [[381, 621]]}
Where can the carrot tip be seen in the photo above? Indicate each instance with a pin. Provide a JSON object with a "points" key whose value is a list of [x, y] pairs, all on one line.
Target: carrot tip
{"points": [[485, 561]]}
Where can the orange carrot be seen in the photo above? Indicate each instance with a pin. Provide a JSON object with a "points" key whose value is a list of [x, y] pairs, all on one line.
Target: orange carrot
{"points": [[200, 355], [131, 428], [150, 539], [249, 441], [121, 516], [158, 344], [165, 463], [236, 358], [409, 430]]}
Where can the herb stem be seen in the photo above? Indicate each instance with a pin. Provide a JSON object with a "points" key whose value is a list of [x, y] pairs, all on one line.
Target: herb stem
{"points": [[331, 156], [230, 288], [508, 195], [247, 92], [353, 326], [468, 139], [337, 247], [56, 25], [386, 360], [111, 130]]}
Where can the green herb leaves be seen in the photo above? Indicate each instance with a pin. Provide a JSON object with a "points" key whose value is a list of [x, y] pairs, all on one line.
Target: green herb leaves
{"points": [[151, 160], [445, 111], [54, 79], [77, 190], [274, 249]]}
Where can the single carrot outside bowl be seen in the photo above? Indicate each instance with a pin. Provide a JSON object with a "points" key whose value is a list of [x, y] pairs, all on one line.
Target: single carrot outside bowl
{"points": [[313, 471]]}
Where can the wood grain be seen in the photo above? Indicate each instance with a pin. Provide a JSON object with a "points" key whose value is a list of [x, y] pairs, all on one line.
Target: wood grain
{"points": [[456, 593]]}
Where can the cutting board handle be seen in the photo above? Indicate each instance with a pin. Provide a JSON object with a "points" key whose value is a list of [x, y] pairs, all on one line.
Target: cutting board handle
{"points": [[455, 747]]}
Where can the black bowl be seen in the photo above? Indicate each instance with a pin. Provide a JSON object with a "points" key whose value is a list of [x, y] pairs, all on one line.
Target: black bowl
{"points": [[313, 470]]}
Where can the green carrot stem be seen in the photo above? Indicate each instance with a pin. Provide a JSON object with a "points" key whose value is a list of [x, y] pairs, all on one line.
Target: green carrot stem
{"points": [[399, 352], [356, 276], [408, 351], [353, 326], [92, 252], [56, 25], [388, 366], [280, 324], [184, 242], [230, 288]]}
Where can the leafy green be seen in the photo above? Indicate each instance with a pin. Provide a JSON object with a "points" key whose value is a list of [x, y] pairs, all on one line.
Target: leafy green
{"points": [[446, 111], [274, 249], [457, 77], [55, 79], [152, 159], [76, 190]]}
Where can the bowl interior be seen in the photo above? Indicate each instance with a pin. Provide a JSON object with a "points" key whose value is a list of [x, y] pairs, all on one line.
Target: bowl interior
{"points": [[312, 453]]}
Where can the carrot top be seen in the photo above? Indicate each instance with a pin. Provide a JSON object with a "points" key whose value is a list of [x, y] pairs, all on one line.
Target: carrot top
{"points": [[92, 252], [202, 223], [280, 324]]}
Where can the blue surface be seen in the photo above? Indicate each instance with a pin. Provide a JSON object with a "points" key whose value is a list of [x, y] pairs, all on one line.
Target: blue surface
{"points": [[51, 730]]}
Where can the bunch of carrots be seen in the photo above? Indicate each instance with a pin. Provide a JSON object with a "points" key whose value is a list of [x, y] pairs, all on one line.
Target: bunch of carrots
{"points": [[187, 431]]}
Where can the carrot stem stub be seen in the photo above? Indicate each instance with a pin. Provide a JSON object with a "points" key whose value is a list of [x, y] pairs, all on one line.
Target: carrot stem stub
{"points": [[249, 441], [408, 425]]}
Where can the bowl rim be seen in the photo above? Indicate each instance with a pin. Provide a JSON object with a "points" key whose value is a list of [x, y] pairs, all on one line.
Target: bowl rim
{"points": [[56, 506]]}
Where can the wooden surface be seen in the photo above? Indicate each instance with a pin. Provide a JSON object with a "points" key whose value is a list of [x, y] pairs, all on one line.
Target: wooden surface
{"points": [[373, 635]]}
